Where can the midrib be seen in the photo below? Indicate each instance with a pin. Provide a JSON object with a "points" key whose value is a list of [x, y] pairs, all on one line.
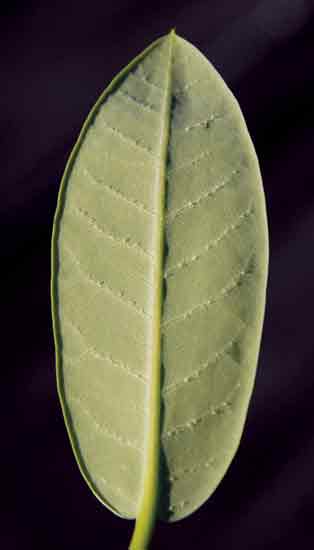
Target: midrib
{"points": [[149, 499]]}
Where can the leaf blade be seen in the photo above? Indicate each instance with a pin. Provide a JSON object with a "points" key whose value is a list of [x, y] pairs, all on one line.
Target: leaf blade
{"points": [[190, 327], [209, 189], [57, 297]]}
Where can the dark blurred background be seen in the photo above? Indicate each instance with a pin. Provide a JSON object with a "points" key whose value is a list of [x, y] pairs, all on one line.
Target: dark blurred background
{"points": [[56, 58]]}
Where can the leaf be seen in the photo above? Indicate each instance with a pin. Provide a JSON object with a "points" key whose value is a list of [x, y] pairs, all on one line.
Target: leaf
{"points": [[159, 271]]}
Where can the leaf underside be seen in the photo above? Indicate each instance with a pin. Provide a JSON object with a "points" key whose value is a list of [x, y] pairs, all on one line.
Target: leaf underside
{"points": [[159, 243]]}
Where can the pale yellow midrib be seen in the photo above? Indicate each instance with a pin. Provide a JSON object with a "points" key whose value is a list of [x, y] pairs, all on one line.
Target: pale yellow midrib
{"points": [[149, 499]]}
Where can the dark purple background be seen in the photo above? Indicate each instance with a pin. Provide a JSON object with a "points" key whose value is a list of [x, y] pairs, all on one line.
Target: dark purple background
{"points": [[56, 58]]}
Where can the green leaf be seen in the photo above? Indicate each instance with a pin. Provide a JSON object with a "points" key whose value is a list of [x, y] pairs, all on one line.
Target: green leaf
{"points": [[159, 272]]}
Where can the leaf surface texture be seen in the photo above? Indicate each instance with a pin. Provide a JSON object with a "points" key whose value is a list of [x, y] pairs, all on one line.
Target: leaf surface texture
{"points": [[160, 257]]}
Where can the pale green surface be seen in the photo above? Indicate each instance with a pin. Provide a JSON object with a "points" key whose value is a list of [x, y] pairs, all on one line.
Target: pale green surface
{"points": [[108, 279]]}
